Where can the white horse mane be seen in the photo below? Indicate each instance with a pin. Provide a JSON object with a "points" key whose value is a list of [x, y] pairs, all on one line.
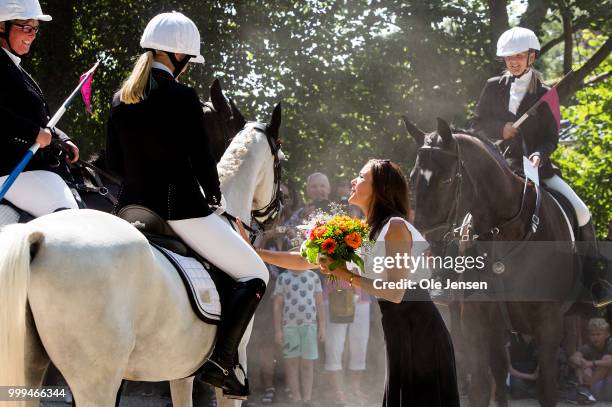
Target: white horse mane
{"points": [[237, 151]]}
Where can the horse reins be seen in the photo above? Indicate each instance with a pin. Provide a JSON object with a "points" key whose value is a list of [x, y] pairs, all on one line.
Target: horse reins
{"points": [[93, 172], [452, 226]]}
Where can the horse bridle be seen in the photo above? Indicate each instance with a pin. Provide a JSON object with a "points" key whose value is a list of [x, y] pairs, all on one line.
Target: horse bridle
{"points": [[453, 229], [265, 216], [451, 225], [270, 210]]}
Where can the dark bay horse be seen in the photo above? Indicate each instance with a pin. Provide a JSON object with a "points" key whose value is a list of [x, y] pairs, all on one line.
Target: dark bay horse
{"points": [[525, 237]]}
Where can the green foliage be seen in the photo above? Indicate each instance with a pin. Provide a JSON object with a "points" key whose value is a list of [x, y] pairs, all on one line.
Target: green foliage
{"points": [[344, 70], [587, 163]]}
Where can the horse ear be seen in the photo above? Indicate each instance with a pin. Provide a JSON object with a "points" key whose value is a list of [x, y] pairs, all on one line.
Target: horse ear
{"points": [[444, 131], [417, 134], [218, 100], [238, 117], [276, 121]]}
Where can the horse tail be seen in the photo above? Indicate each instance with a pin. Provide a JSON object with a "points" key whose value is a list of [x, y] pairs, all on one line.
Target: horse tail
{"points": [[16, 244]]}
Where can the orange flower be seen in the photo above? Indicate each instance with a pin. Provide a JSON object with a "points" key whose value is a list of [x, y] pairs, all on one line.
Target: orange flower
{"points": [[329, 245], [319, 231], [353, 240]]}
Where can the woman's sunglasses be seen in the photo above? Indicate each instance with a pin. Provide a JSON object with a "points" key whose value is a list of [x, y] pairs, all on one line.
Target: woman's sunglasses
{"points": [[27, 28]]}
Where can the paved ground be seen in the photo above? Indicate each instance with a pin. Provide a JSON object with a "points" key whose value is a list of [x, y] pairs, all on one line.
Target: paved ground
{"points": [[132, 401]]}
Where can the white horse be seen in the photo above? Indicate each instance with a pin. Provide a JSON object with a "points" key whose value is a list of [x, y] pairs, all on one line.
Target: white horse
{"points": [[102, 305]]}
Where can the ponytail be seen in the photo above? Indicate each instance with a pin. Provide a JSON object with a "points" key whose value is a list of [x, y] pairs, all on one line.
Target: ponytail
{"points": [[533, 83], [133, 89]]}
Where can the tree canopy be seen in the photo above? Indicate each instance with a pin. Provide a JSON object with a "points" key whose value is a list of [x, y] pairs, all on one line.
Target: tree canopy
{"points": [[344, 70]]}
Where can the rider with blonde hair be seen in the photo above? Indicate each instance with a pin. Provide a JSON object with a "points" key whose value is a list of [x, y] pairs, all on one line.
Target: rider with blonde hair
{"points": [[503, 101], [24, 113], [157, 142]]}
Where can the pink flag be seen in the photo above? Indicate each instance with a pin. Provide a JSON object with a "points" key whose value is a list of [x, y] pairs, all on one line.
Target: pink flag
{"points": [[551, 98], [86, 89]]}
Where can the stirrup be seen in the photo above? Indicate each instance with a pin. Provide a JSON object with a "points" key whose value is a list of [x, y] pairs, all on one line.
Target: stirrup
{"points": [[240, 394], [213, 373], [221, 368], [606, 290]]}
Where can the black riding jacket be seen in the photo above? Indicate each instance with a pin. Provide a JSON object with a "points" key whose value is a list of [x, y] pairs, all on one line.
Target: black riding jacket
{"points": [[539, 131], [160, 148], [23, 111]]}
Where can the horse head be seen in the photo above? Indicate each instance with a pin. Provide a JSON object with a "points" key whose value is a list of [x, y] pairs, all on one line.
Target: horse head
{"points": [[250, 170], [222, 120], [439, 183]]}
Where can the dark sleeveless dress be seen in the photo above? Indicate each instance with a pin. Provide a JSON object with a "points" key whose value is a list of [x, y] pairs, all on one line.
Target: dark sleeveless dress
{"points": [[420, 357]]}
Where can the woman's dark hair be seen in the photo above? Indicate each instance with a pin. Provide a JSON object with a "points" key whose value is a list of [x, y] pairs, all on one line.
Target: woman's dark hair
{"points": [[390, 194]]}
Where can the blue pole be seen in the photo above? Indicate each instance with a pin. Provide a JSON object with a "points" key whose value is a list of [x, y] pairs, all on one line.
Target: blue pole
{"points": [[6, 185], [15, 173]]}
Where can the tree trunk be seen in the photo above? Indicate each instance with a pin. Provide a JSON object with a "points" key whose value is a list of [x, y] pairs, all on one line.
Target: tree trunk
{"points": [[498, 13], [575, 81], [566, 15]]}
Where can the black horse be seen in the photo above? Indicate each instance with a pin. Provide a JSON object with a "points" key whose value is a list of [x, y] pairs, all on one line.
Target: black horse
{"points": [[524, 236]]}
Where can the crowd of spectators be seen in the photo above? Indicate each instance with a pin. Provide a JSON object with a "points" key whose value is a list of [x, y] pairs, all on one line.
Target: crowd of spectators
{"points": [[313, 330]]}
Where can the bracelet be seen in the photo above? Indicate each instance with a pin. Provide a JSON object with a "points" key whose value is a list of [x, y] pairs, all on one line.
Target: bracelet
{"points": [[351, 279]]}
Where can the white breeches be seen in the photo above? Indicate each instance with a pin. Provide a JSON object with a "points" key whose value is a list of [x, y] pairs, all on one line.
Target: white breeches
{"points": [[40, 193], [215, 240], [358, 334], [582, 211]]}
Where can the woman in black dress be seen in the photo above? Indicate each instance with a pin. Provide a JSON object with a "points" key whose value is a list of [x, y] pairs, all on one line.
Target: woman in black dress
{"points": [[420, 356]]}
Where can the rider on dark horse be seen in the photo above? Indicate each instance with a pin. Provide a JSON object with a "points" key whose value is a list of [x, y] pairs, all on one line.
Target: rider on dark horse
{"points": [[506, 98], [24, 113], [157, 143]]}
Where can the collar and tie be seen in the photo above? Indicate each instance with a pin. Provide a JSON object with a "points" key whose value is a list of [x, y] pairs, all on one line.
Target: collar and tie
{"points": [[518, 90]]}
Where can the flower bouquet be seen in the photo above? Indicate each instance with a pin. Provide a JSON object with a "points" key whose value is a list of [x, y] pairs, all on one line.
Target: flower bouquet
{"points": [[338, 237]]}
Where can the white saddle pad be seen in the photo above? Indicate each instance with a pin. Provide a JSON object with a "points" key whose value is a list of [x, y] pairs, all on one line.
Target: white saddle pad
{"points": [[8, 215], [200, 287]]}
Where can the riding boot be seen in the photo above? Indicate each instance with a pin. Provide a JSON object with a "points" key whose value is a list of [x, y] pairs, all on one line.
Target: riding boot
{"points": [[221, 368], [595, 275]]}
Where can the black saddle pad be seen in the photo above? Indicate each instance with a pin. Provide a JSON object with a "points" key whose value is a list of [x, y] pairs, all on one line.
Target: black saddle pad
{"points": [[567, 207]]}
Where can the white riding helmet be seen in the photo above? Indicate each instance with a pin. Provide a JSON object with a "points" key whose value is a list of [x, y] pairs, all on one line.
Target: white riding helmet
{"points": [[517, 40], [22, 10], [173, 32]]}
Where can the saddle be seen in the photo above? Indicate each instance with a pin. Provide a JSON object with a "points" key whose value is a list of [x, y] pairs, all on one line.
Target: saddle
{"points": [[566, 208], [205, 284]]}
